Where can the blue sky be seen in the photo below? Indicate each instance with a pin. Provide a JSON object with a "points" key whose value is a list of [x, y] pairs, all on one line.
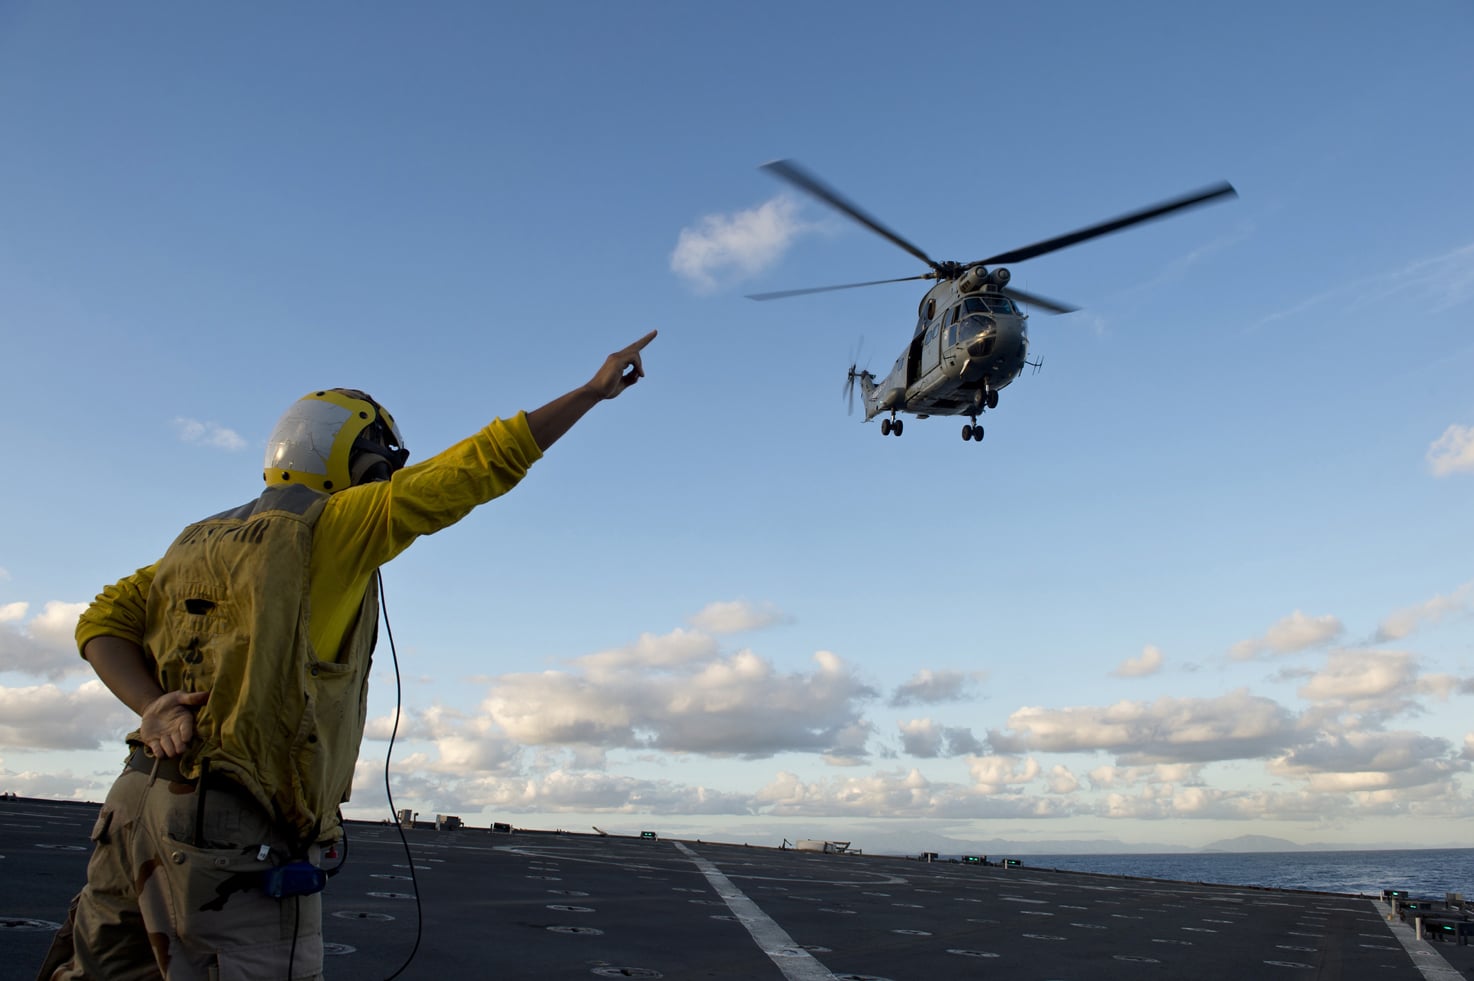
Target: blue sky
{"points": [[1208, 575]]}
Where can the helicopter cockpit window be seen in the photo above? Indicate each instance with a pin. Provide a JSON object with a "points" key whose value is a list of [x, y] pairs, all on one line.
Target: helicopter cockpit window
{"points": [[990, 304]]}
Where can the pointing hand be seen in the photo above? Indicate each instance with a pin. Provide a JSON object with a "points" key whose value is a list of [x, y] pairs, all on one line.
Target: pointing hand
{"points": [[621, 369]]}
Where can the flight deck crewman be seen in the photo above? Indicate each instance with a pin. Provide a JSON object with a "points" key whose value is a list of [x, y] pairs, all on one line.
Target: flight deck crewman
{"points": [[245, 651]]}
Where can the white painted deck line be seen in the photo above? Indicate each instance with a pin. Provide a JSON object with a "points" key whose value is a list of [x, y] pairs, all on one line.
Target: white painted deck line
{"points": [[796, 963], [1427, 960]]}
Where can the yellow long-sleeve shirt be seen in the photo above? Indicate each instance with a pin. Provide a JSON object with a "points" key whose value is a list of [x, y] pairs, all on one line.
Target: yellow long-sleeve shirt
{"points": [[361, 528]]}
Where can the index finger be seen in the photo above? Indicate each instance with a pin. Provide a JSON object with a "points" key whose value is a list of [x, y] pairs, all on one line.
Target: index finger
{"points": [[640, 344]]}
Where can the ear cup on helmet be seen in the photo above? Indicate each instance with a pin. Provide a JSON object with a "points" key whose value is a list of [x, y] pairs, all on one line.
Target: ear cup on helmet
{"points": [[367, 468]]}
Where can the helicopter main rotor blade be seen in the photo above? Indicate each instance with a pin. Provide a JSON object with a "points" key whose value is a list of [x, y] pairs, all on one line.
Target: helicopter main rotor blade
{"points": [[1042, 302], [782, 294], [1207, 194], [804, 181]]}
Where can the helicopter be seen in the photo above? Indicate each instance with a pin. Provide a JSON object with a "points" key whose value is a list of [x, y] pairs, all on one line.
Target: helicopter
{"points": [[971, 338]]}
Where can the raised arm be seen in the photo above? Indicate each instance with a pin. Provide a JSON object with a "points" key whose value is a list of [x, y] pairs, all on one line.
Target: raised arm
{"points": [[619, 371]]}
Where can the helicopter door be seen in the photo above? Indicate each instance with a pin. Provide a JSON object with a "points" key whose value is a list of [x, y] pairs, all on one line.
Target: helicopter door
{"points": [[931, 348], [949, 337], [913, 358], [913, 354]]}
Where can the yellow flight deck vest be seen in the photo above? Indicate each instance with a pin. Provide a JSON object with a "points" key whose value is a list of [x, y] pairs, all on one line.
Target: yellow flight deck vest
{"points": [[228, 613]]}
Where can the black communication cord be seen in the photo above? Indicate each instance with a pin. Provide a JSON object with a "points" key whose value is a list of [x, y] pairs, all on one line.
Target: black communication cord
{"points": [[389, 792], [296, 928]]}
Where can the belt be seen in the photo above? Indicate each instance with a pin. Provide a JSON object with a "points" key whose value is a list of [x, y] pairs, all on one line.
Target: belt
{"points": [[162, 766], [168, 769]]}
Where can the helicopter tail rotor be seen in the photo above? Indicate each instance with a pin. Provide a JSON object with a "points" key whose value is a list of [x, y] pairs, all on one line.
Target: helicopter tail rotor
{"points": [[854, 373]]}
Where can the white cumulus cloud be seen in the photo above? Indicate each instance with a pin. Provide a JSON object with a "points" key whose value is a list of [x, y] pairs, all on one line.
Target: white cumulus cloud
{"points": [[735, 246], [736, 617], [1296, 632], [54, 786], [678, 693], [909, 793], [1453, 452], [554, 791], [208, 434], [1400, 624], [1061, 780], [1169, 730], [925, 738], [1372, 761], [927, 687], [1150, 662], [998, 774], [44, 645], [48, 717], [1114, 777], [1374, 683]]}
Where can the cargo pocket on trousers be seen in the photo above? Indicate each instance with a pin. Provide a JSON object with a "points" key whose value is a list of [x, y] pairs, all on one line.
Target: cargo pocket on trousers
{"points": [[220, 909], [270, 960], [102, 826]]}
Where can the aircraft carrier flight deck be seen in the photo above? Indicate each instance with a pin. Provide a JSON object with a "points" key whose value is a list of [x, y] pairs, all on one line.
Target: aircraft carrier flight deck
{"points": [[551, 905]]}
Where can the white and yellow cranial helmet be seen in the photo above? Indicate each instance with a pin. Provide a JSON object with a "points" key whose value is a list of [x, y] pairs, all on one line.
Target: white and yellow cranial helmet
{"points": [[333, 439]]}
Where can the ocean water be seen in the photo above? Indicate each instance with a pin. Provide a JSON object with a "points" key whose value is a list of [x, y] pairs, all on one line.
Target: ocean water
{"points": [[1426, 873]]}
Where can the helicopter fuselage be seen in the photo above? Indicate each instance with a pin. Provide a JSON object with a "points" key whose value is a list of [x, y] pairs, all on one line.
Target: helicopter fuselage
{"points": [[966, 345]]}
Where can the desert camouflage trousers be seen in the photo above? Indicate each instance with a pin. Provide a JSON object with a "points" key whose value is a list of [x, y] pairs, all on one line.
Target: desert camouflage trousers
{"points": [[167, 900]]}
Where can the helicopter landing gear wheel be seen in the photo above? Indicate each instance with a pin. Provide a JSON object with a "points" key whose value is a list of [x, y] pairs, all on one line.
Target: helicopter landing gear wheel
{"points": [[891, 425], [966, 431], [973, 430], [992, 399], [896, 426], [885, 427]]}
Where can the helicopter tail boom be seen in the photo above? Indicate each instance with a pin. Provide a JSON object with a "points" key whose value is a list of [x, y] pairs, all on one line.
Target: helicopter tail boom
{"points": [[868, 389]]}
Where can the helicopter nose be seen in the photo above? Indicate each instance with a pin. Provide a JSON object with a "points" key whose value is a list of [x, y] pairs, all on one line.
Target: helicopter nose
{"points": [[983, 331], [999, 337]]}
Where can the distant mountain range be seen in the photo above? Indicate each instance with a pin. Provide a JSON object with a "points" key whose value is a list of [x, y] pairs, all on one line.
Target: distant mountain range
{"points": [[1262, 843]]}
